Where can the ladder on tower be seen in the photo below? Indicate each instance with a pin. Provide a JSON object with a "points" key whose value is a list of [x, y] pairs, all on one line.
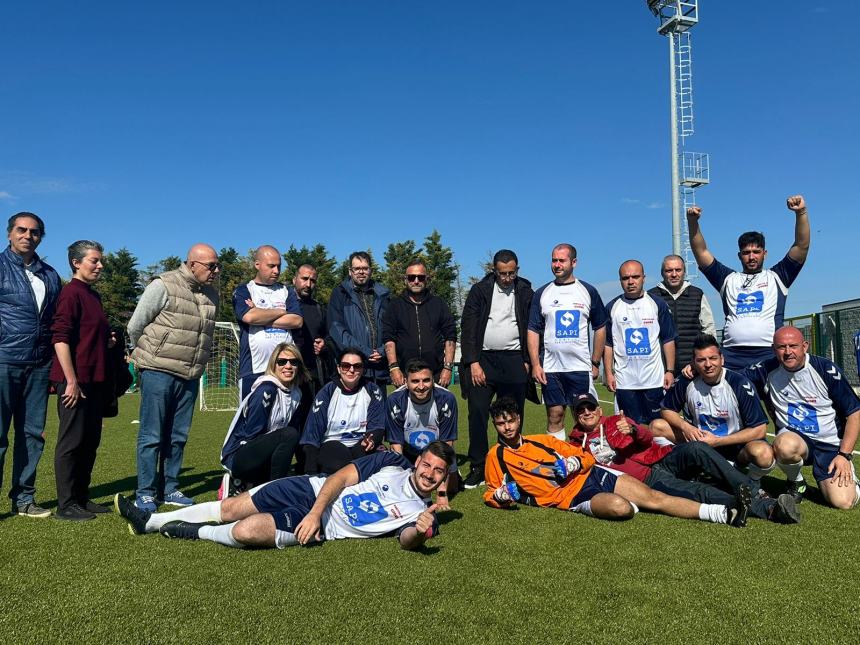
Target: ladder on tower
{"points": [[688, 198], [684, 82]]}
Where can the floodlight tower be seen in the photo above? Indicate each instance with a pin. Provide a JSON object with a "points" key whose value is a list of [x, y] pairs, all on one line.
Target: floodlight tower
{"points": [[689, 169]]}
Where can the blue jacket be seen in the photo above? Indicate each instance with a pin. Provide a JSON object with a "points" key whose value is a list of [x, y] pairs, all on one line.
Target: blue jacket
{"points": [[348, 326], [25, 332]]}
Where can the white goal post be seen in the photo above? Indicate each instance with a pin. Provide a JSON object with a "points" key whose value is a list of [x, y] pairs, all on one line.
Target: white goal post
{"points": [[219, 385]]}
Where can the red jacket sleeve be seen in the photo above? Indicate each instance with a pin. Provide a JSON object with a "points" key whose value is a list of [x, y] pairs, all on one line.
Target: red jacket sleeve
{"points": [[67, 316]]}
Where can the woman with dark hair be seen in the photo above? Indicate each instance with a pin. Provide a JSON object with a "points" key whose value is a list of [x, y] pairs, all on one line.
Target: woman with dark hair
{"points": [[81, 337], [263, 435]]}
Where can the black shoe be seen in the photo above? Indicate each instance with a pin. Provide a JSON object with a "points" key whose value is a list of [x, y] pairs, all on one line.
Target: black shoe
{"points": [[92, 507], [136, 518], [743, 499], [785, 510], [182, 530], [475, 477], [74, 513], [796, 490]]}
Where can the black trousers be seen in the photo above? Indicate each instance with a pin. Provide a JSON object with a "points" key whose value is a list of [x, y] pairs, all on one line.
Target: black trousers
{"points": [[78, 440], [505, 376], [265, 458]]}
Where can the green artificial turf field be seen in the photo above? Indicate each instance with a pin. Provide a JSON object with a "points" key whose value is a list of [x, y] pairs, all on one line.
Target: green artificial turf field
{"points": [[528, 575]]}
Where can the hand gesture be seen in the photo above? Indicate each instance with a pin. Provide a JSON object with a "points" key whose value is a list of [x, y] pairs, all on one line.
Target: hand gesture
{"points": [[795, 203], [694, 211], [623, 425], [565, 467], [425, 520], [368, 443]]}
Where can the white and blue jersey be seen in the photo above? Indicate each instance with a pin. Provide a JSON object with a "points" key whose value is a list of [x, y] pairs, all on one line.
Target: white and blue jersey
{"points": [[257, 342], [729, 406], [418, 424], [270, 406], [338, 415], [637, 330], [813, 401], [561, 313], [753, 303], [384, 501]]}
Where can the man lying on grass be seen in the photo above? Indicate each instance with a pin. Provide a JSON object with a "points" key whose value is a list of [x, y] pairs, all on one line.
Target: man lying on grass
{"points": [[376, 495], [542, 471], [619, 443]]}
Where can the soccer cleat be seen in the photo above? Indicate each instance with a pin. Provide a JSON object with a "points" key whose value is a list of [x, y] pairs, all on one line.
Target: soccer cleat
{"points": [[475, 477], [146, 503], [31, 509], [182, 530], [785, 510], [737, 516], [176, 498], [796, 490], [136, 517]]}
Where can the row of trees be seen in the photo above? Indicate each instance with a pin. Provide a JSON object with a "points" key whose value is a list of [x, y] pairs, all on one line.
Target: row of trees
{"points": [[122, 281]]}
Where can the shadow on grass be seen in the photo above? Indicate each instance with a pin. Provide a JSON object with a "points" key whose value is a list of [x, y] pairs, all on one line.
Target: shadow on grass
{"points": [[444, 517]]}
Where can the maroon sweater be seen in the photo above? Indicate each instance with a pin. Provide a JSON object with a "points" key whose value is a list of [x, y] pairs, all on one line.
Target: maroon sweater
{"points": [[80, 321]]}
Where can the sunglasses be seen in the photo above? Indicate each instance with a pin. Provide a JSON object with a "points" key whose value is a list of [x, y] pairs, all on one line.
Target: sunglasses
{"points": [[212, 266], [280, 362], [350, 367], [416, 278], [586, 407]]}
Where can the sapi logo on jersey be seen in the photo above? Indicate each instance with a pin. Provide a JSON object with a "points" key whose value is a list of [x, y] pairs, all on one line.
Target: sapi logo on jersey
{"points": [[715, 425], [567, 323], [636, 341], [802, 417], [750, 303], [365, 508], [420, 439]]}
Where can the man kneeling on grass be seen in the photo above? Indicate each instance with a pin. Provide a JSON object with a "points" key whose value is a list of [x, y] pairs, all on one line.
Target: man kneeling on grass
{"points": [[542, 471], [380, 494]]}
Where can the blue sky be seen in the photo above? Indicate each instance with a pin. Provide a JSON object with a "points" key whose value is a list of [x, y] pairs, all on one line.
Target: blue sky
{"points": [[501, 124]]}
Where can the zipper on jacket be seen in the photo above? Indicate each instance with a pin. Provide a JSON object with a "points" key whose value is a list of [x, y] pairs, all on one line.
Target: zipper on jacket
{"points": [[418, 326]]}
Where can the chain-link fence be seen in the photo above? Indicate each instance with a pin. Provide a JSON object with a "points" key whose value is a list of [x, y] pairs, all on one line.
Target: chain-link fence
{"points": [[831, 334]]}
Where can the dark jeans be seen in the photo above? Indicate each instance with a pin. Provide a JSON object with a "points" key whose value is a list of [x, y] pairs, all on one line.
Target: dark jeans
{"points": [[505, 376], [673, 474], [334, 456], [265, 458], [78, 440], [24, 402]]}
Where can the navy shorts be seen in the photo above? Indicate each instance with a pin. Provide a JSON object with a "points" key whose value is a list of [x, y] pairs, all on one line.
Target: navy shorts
{"points": [[643, 406], [288, 500], [818, 454], [598, 481], [562, 388], [736, 359]]}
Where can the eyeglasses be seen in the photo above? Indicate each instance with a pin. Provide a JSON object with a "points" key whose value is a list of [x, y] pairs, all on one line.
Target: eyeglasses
{"points": [[212, 266], [586, 407], [280, 362], [359, 269], [416, 278], [507, 274], [350, 367]]}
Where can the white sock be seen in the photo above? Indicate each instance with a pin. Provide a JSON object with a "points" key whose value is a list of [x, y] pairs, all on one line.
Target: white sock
{"points": [[285, 538], [663, 441], [561, 435], [716, 513], [584, 508], [792, 471], [206, 512], [757, 472], [221, 534], [635, 508]]}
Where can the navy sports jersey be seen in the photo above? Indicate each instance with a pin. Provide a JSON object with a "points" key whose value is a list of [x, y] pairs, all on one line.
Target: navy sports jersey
{"points": [[257, 342], [418, 424], [562, 313], [338, 415], [814, 401], [269, 406], [729, 406], [753, 303], [637, 330], [383, 501]]}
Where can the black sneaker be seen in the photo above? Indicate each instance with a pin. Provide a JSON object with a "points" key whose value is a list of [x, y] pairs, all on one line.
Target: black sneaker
{"points": [[743, 499], [74, 513], [136, 517], [182, 530], [796, 490], [92, 507], [475, 477], [785, 510]]}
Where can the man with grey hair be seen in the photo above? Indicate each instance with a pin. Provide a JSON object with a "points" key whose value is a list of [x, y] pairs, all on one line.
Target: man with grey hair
{"points": [[29, 289], [690, 309], [171, 328]]}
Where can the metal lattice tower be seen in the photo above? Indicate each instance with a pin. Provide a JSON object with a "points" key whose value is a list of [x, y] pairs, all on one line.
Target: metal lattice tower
{"points": [[689, 169]]}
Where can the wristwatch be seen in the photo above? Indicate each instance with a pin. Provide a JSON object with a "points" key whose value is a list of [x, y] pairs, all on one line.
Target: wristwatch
{"points": [[448, 366], [595, 363], [848, 455]]}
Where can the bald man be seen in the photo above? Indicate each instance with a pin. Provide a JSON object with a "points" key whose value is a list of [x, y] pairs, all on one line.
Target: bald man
{"points": [[639, 357], [171, 329], [817, 416], [268, 312]]}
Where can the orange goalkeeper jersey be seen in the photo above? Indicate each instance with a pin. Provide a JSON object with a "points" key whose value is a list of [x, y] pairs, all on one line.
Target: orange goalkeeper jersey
{"points": [[530, 466]]}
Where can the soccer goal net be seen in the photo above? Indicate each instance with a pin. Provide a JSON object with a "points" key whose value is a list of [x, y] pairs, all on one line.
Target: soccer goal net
{"points": [[219, 385]]}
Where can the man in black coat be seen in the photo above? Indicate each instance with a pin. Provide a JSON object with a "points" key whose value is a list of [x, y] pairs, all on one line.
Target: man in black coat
{"points": [[311, 339], [495, 358]]}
